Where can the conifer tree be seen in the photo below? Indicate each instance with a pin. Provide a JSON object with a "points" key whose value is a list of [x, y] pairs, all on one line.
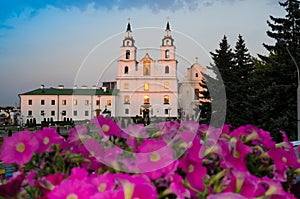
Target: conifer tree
{"points": [[280, 92], [223, 59], [241, 98]]}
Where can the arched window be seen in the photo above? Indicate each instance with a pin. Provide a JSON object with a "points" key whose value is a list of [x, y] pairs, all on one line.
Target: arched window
{"points": [[166, 99], [126, 70], [167, 70], [196, 74], [146, 67], [167, 53], [126, 99], [127, 54], [146, 99]]}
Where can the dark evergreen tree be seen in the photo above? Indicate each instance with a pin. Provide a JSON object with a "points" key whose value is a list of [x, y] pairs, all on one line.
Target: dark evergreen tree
{"points": [[223, 60], [280, 91], [240, 100]]}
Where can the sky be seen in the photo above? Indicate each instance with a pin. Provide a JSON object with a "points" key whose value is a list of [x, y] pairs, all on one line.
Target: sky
{"points": [[72, 42]]}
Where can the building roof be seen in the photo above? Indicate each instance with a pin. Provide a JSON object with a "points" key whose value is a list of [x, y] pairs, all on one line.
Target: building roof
{"points": [[70, 91]]}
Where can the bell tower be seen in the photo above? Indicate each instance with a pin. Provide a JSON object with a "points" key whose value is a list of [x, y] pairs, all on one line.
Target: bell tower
{"points": [[167, 49], [167, 60], [127, 61]]}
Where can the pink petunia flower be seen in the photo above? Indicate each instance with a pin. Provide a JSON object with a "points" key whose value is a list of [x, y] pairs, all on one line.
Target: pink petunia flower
{"points": [[195, 172], [133, 133], [107, 126], [235, 153], [137, 186], [254, 134], [19, 148], [227, 195], [75, 136], [178, 188], [153, 155], [78, 173], [46, 138], [104, 182], [72, 189], [12, 188], [114, 194]]}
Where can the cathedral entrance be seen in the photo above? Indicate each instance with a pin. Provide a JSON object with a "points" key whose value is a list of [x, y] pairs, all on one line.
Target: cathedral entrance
{"points": [[146, 116], [145, 108]]}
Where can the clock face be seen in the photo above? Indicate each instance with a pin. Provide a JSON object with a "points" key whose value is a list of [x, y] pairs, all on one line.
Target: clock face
{"points": [[128, 43]]}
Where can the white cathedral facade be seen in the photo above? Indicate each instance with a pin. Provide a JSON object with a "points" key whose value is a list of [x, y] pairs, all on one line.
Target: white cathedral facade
{"points": [[144, 87], [147, 87]]}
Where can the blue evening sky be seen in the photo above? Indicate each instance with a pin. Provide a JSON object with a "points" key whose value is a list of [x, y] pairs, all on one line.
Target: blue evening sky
{"points": [[78, 42]]}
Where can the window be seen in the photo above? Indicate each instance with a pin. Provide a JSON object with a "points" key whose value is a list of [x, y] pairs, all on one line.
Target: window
{"points": [[29, 113], [166, 111], [167, 53], [52, 102], [42, 102], [75, 102], [52, 113], [146, 99], [126, 111], [108, 102], [64, 102], [86, 113], [75, 113], [86, 102], [166, 85], [126, 85], [196, 74], [146, 86], [167, 70], [127, 54], [64, 113], [126, 70], [30, 102], [166, 99], [42, 113], [147, 67], [126, 99], [98, 102]]}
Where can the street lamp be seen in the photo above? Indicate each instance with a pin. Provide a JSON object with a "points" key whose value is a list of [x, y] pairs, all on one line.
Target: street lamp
{"points": [[298, 93]]}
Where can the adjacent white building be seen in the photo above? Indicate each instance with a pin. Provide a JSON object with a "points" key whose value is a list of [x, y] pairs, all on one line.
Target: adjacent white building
{"points": [[189, 91], [58, 104]]}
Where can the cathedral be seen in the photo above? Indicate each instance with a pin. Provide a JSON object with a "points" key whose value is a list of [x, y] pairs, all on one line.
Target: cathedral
{"points": [[147, 87]]}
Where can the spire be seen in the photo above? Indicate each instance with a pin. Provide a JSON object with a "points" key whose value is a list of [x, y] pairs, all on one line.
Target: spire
{"points": [[168, 29], [128, 26], [128, 30], [168, 24]]}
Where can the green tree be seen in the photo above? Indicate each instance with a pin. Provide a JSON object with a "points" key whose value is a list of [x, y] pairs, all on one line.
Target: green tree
{"points": [[280, 92], [240, 98], [223, 59]]}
